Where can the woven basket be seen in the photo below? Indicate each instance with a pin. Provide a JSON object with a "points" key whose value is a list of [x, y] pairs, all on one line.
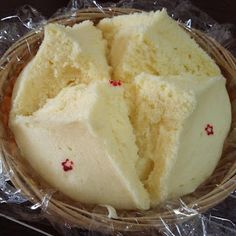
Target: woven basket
{"points": [[214, 190]]}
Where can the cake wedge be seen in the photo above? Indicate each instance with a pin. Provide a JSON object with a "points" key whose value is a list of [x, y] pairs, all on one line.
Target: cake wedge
{"points": [[67, 55], [82, 143], [180, 124], [154, 43]]}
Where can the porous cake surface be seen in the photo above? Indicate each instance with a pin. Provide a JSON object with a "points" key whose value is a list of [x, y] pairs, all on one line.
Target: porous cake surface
{"points": [[153, 43], [178, 120], [84, 140], [67, 55]]}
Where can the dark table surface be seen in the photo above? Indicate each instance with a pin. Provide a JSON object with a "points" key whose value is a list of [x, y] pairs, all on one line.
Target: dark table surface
{"points": [[223, 11]]}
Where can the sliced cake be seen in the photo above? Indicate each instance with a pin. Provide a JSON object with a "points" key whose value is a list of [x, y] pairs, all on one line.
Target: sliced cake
{"points": [[67, 55], [180, 123], [154, 43], [82, 143]]}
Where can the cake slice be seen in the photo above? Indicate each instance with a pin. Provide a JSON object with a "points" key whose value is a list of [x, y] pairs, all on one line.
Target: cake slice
{"points": [[82, 143], [67, 55], [180, 125], [153, 43]]}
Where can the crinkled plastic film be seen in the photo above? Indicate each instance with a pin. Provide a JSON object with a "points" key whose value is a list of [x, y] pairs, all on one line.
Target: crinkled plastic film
{"points": [[23, 200]]}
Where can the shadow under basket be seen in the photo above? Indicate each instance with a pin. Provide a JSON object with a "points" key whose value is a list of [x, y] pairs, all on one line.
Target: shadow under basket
{"points": [[214, 190]]}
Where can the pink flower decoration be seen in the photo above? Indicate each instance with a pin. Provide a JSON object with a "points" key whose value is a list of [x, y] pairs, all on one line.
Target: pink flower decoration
{"points": [[115, 83], [209, 129], [67, 165]]}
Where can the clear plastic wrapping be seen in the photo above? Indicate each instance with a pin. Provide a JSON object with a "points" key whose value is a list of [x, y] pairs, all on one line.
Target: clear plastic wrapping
{"points": [[24, 205]]}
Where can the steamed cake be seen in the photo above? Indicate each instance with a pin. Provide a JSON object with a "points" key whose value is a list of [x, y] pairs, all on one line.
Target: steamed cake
{"points": [[172, 114], [66, 55], [153, 43], [130, 112], [89, 126]]}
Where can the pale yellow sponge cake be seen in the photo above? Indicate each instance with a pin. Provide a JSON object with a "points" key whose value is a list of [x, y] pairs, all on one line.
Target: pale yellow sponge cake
{"points": [[153, 43], [128, 113], [180, 125], [84, 140], [67, 55]]}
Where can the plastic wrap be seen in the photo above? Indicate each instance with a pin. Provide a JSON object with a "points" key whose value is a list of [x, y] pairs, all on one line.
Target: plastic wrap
{"points": [[19, 206]]}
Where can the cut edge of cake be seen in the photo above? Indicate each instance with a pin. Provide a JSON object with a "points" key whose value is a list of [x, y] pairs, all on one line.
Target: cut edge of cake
{"points": [[67, 55]]}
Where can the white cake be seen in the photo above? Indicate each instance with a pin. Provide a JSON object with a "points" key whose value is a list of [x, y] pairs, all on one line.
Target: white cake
{"points": [[89, 126], [180, 126], [151, 130], [67, 55], [153, 43]]}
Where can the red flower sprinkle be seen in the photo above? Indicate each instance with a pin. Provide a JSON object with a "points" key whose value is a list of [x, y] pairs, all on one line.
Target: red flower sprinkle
{"points": [[115, 83], [67, 165], [209, 129]]}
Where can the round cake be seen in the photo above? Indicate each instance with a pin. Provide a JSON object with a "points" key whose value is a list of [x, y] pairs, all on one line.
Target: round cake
{"points": [[129, 112]]}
